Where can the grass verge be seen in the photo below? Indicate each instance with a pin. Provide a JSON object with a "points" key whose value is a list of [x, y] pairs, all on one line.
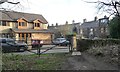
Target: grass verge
{"points": [[33, 62]]}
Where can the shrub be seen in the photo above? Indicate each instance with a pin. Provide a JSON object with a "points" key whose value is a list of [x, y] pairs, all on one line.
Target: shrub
{"points": [[85, 44]]}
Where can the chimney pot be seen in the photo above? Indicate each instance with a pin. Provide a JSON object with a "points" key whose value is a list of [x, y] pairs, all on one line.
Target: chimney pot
{"points": [[95, 19], [84, 20]]}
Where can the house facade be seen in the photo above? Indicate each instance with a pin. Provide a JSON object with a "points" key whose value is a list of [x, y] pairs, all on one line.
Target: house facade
{"points": [[95, 29], [24, 26], [65, 29]]}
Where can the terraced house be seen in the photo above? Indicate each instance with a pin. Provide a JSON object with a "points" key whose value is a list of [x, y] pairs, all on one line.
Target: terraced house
{"points": [[24, 26], [98, 28]]}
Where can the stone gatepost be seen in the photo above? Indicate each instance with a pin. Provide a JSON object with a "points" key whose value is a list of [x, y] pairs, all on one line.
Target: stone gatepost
{"points": [[29, 43], [74, 46], [74, 43]]}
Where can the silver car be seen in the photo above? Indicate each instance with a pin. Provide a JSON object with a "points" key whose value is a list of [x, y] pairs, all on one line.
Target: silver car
{"points": [[60, 41]]}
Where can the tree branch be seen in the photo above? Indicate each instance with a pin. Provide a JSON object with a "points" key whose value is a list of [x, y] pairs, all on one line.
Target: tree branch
{"points": [[14, 3], [1, 2], [105, 6]]}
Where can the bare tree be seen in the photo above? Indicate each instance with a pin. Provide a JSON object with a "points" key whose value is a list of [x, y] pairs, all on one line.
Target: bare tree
{"points": [[110, 6], [3, 1], [9, 2]]}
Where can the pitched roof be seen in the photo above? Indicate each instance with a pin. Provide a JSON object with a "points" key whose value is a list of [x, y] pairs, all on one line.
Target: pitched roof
{"points": [[90, 24], [63, 25], [14, 16], [32, 30]]}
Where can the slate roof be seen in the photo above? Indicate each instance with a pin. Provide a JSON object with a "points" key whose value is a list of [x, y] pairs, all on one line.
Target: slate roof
{"points": [[60, 26], [90, 24], [32, 30], [14, 16]]}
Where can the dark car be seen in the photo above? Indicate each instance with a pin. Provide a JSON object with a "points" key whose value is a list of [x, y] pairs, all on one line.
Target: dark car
{"points": [[8, 44], [60, 41]]}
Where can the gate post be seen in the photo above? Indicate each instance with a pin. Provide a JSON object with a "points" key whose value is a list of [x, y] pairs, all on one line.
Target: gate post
{"points": [[29, 43], [39, 52], [74, 46], [74, 43]]}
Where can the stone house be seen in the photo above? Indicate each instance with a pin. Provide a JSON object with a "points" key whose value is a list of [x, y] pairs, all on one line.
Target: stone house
{"points": [[95, 29], [65, 29], [24, 26]]}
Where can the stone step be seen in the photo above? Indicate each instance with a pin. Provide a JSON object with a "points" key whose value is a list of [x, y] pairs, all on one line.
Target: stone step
{"points": [[76, 53]]}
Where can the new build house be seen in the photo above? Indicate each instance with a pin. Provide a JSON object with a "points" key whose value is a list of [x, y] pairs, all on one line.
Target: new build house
{"points": [[24, 26]]}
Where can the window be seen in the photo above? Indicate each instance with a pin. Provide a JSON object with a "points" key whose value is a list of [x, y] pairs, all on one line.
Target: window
{"points": [[0, 23], [37, 24], [4, 23], [106, 29], [102, 30], [81, 31], [22, 24], [104, 21], [91, 31]]}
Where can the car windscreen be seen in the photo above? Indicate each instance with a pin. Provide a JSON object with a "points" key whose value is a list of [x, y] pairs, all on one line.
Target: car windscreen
{"points": [[10, 41], [57, 40], [2, 40]]}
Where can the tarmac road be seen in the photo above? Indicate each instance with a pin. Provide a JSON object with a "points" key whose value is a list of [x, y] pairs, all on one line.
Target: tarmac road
{"points": [[57, 49]]}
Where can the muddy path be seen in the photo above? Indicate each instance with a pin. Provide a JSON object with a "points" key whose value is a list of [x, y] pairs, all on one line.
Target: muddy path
{"points": [[86, 62]]}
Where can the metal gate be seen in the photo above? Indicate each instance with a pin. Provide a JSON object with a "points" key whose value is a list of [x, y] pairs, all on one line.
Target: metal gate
{"points": [[39, 52]]}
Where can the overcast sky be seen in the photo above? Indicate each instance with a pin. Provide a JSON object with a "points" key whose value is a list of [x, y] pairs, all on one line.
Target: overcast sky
{"points": [[58, 11]]}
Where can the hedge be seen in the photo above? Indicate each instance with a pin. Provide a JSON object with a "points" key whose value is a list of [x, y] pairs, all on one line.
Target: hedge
{"points": [[84, 44]]}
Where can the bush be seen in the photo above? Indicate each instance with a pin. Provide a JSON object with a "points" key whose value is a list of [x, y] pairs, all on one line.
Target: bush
{"points": [[85, 44]]}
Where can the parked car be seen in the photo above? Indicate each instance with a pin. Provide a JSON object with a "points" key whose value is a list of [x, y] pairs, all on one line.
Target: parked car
{"points": [[36, 43], [60, 41], [8, 44]]}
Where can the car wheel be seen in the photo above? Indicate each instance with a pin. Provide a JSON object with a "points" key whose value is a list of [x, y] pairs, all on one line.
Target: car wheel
{"points": [[3, 51], [21, 49]]}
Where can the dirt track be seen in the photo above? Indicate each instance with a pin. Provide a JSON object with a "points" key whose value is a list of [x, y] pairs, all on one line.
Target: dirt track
{"points": [[86, 62]]}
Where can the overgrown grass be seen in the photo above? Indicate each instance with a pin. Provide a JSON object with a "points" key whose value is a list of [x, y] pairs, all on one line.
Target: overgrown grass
{"points": [[34, 62], [108, 54]]}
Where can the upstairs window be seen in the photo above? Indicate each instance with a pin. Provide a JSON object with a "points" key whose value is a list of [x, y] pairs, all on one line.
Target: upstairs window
{"points": [[22, 24], [37, 24], [102, 30], [105, 21]]}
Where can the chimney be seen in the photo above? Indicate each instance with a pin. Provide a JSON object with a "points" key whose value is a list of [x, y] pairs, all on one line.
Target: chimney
{"points": [[84, 20], [95, 19], [105, 16], [73, 22], [52, 25], [66, 22], [56, 24]]}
